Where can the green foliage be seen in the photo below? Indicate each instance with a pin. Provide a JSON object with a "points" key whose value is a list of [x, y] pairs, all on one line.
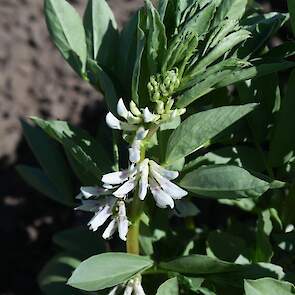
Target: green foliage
{"points": [[268, 286], [67, 32], [200, 77], [200, 130], [107, 270], [225, 182], [170, 287], [53, 277]]}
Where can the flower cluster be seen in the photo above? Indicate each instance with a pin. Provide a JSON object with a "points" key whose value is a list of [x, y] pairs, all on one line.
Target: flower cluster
{"points": [[136, 118], [143, 174], [104, 206], [162, 86]]}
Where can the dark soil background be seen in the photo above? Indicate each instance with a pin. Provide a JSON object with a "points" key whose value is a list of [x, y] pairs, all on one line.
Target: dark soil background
{"points": [[34, 80]]}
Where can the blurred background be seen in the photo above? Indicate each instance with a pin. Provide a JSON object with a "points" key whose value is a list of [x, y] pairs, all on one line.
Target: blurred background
{"points": [[35, 80]]}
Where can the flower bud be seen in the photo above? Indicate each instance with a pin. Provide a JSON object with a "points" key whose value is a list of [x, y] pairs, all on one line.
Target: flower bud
{"points": [[134, 109], [160, 107]]}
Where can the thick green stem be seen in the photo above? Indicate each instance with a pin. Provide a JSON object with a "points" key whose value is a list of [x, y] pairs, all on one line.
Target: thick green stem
{"points": [[135, 214], [133, 233]]}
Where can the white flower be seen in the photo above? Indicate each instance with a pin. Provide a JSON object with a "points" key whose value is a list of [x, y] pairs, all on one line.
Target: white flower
{"points": [[133, 118], [134, 150], [120, 222], [104, 208], [134, 287], [147, 174]]}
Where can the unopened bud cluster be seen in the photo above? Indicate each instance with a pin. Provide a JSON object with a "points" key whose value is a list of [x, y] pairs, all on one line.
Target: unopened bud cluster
{"points": [[162, 86]]}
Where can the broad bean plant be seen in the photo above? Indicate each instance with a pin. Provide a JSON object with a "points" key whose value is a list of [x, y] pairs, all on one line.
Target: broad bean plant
{"points": [[189, 179]]}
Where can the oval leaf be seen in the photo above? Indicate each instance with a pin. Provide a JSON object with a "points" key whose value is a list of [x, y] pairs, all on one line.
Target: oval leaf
{"points": [[268, 286], [222, 181], [198, 130], [67, 32], [107, 270], [170, 287], [101, 32]]}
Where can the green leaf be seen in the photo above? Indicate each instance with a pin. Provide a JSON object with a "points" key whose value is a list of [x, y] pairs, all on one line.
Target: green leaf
{"points": [[198, 130], [170, 287], [53, 277], [138, 60], [265, 91], [225, 246], [36, 178], [242, 156], [156, 39], [101, 32], [57, 170], [258, 70], [86, 178], [107, 270], [127, 54], [230, 10], [224, 182], [282, 51], [268, 286], [263, 251], [67, 32], [202, 82], [80, 240], [220, 272], [282, 144], [291, 7], [221, 48], [262, 28], [100, 80], [89, 154], [200, 22], [198, 264]]}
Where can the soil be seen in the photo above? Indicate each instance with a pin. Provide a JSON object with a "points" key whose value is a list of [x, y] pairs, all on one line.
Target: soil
{"points": [[36, 81]]}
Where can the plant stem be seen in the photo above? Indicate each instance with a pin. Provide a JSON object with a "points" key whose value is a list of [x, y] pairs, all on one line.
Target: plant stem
{"points": [[133, 232], [135, 214], [115, 151]]}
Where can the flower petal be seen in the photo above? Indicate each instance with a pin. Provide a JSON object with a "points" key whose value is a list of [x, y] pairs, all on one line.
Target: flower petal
{"points": [[128, 290], [148, 116], [121, 109], [137, 289], [110, 229], [113, 291], [163, 200], [123, 228], [169, 174], [99, 218], [79, 196], [89, 206], [143, 181], [90, 191], [134, 152], [141, 133], [134, 109], [113, 122], [115, 178], [169, 187], [124, 189]]}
